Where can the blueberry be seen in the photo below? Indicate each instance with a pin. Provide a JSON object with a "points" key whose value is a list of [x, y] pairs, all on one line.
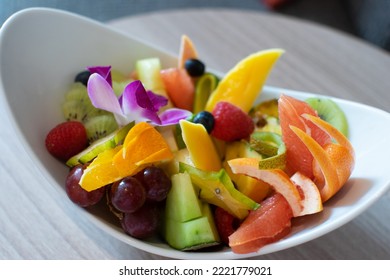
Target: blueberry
{"points": [[194, 67], [82, 77], [206, 119]]}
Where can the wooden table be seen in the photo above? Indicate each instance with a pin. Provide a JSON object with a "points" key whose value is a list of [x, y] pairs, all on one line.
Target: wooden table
{"points": [[35, 221]]}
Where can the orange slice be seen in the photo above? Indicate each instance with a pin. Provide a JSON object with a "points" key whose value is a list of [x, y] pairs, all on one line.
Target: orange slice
{"points": [[143, 145]]}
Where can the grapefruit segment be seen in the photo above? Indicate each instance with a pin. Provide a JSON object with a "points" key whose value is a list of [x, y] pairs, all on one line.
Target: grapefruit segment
{"points": [[278, 179], [267, 224], [330, 177], [311, 199], [298, 156]]}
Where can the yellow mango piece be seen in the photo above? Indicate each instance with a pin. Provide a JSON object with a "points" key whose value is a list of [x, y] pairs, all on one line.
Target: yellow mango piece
{"points": [[200, 146], [255, 189], [243, 83]]}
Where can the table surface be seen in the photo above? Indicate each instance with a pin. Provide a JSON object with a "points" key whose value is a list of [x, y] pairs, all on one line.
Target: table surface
{"points": [[317, 59]]}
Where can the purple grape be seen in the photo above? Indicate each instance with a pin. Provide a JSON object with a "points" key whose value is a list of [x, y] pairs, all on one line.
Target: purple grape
{"points": [[143, 223], [156, 183], [76, 193], [128, 194]]}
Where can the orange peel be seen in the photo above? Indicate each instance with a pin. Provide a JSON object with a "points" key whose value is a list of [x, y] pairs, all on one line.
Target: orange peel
{"points": [[335, 161]]}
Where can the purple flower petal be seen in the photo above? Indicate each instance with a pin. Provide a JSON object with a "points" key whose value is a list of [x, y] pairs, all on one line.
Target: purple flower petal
{"points": [[104, 71], [102, 95], [158, 101], [173, 116], [136, 104]]}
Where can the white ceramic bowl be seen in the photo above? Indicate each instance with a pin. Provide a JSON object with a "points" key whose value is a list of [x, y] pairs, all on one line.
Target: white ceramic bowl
{"points": [[42, 49]]}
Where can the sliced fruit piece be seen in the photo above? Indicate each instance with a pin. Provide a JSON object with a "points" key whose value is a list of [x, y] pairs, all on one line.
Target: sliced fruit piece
{"points": [[272, 147], [182, 203], [101, 171], [100, 126], [279, 180], [298, 157], [169, 134], [267, 224], [311, 201], [171, 167], [243, 83], [339, 161], [110, 141], [251, 187], [188, 222], [204, 86], [217, 188], [142, 146], [187, 51], [179, 87], [148, 72], [329, 111], [200, 146], [325, 164]]}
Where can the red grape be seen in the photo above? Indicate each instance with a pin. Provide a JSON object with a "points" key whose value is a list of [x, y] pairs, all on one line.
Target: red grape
{"points": [[76, 193], [127, 194], [156, 183], [143, 223]]}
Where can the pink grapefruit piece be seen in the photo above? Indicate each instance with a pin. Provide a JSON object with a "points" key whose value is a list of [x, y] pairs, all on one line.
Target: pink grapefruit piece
{"points": [[269, 223], [298, 157], [311, 200]]}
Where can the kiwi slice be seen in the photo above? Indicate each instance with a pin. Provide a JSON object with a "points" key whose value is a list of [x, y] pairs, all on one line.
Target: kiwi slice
{"points": [[205, 85], [77, 91], [74, 110], [329, 111], [108, 142], [100, 126], [78, 106]]}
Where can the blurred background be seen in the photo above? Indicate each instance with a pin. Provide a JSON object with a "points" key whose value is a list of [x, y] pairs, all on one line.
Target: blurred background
{"points": [[367, 19]]}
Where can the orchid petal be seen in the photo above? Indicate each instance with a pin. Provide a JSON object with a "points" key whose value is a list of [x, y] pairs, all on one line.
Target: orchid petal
{"points": [[158, 101], [136, 104], [102, 95], [104, 71], [173, 116]]}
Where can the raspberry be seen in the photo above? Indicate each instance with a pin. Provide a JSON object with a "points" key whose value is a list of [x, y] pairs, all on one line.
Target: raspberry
{"points": [[226, 224], [230, 122], [66, 140]]}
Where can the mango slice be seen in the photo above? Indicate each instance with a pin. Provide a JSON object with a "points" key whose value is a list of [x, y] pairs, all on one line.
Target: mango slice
{"points": [[243, 83], [200, 146]]}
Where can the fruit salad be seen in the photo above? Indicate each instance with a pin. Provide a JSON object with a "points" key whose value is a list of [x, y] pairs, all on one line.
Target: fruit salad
{"points": [[187, 156]]}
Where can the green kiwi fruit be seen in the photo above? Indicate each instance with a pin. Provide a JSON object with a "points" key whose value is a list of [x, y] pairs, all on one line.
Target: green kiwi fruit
{"points": [[108, 142], [329, 111], [74, 110], [78, 106], [100, 126], [205, 85]]}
